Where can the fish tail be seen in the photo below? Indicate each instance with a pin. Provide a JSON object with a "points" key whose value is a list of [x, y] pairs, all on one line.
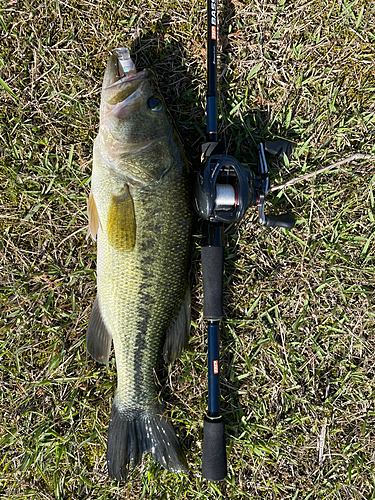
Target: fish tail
{"points": [[133, 431]]}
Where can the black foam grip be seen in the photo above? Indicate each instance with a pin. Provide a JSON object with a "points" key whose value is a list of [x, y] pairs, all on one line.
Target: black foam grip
{"points": [[212, 271], [279, 147], [286, 221], [214, 458]]}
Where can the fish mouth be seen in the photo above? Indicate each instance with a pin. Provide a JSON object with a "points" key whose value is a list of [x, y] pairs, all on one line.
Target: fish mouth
{"points": [[141, 75]]}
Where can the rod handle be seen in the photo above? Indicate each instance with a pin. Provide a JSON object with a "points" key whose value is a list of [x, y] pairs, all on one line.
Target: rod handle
{"points": [[212, 271], [214, 458]]}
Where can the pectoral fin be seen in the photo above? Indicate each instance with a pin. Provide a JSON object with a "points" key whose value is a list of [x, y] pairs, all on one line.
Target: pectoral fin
{"points": [[121, 227], [98, 338], [92, 213], [178, 333]]}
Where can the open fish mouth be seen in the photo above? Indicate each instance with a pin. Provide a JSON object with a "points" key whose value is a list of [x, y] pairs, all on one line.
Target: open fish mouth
{"points": [[129, 78]]}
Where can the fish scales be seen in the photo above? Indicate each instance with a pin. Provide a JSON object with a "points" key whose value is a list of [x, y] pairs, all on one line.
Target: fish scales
{"points": [[139, 210], [139, 290]]}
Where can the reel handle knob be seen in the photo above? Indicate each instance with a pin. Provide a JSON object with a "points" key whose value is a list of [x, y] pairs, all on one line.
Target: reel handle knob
{"points": [[278, 148], [286, 221]]}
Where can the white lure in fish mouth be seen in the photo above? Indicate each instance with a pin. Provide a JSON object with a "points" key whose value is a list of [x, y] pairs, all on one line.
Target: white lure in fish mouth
{"points": [[124, 70], [124, 61]]}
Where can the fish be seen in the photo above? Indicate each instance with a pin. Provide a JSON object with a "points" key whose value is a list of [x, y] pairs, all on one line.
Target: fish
{"points": [[139, 211]]}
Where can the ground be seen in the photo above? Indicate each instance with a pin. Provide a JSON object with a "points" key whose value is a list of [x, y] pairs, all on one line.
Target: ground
{"points": [[297, 339]]}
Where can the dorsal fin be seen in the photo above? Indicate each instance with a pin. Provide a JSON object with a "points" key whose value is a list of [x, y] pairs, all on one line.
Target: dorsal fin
{"points": [[178, 332]]}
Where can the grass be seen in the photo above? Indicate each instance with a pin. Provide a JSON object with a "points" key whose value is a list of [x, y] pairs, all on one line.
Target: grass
{"points": [[297, 339]]}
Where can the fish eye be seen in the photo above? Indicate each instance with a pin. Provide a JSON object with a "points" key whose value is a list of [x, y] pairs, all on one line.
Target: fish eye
{"points": [[154, 104]]}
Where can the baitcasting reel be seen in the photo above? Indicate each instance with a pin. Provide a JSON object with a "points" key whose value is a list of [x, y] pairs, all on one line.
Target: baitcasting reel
{"points": [[225, 189]]}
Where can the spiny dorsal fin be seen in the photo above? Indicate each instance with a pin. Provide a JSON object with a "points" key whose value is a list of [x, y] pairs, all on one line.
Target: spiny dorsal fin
{"points": [[121, 226]]}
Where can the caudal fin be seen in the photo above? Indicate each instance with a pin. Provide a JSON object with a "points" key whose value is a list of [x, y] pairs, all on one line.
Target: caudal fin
{"points": [[135, 431]]}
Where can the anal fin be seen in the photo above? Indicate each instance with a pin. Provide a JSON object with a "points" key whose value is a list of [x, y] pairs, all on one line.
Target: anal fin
{"points": [[178, 332], [98, 338]]}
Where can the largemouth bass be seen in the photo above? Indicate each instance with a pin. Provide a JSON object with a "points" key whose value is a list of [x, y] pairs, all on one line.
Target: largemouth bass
{"points": [[139, 212]]}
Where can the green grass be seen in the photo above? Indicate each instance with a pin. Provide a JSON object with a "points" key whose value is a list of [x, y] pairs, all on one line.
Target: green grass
{"points": [[298, 343]]}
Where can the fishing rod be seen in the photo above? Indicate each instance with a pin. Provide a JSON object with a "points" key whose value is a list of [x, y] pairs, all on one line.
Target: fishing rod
{"points": [[224, 189]]}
